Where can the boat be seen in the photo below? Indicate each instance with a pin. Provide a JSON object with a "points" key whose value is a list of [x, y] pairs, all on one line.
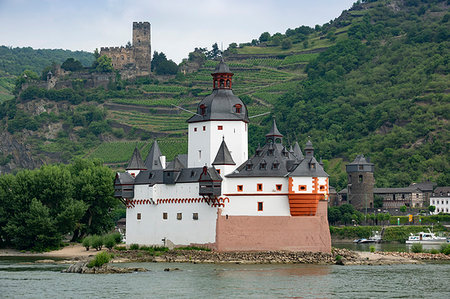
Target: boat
{"points": [[375, 238], [426, 238]]}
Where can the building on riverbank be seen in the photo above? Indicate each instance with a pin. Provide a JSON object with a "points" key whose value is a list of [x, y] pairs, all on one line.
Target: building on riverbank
{"points": [[218, 197], [441, 200]]}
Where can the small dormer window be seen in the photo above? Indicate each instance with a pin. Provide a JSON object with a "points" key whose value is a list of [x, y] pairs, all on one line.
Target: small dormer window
{"points": [[202, 109], [276, 165], [313, 166], [270, 152], [249, 166], [192, 173], [263, 165], [238, 108], [150, 175]]}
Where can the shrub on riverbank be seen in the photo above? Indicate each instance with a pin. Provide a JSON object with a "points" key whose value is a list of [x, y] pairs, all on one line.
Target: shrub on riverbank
{"points": [[100, 259], [416, 248], [97, 242], [353, 232], [445, 249], [87, 242]]}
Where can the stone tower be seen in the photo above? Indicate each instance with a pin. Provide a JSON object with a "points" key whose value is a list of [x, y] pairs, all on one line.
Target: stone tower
{"points": [[360, 183], [142, 51]]}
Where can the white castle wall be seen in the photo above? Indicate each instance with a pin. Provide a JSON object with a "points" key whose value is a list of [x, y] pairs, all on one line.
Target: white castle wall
{"points": [[275, 203], [205, 137], [152, 228]]}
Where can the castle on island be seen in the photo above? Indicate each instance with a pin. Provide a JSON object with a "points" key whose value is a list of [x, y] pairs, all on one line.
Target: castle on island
{"points": [[216, 196]]}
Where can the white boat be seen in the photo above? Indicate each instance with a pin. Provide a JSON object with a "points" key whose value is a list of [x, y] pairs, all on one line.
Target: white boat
{"points": [[375, 238], [426, 238]]}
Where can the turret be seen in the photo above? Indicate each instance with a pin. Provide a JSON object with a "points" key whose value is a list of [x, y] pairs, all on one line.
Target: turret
{"points": [[136, 164], [360, 183]]}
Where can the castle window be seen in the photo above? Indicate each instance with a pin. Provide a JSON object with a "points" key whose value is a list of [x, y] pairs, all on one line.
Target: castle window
{"points": [[165, 216], [199, 155], [133, 174], [204, 128], [195, 216], [218, 171], [240, 188], [222, 83], [192, 173], [249, 166], [263, 165], [238, 108], [259, 187], [202, 109], [260, 206], [313, 165], [276, 165], [270, 152], [360, 167], [228, 83], [278, 187], [139, 216], [302, 187], [360, 178], [179, 216], [322, 188], [220, 128], [195, 129], [150, 175]]}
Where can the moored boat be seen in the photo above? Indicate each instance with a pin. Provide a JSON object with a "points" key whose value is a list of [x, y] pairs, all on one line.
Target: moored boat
{"points": [[426, 238]]}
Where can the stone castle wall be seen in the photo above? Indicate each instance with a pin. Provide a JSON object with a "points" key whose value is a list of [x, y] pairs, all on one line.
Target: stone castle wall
{"points": [[137, 58]]}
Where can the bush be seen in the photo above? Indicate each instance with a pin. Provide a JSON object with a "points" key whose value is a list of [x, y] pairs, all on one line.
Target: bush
{"points": [[134, 247], [109, 241], [372, 248], [445, 249], [97, 242], [434, 251], [120, 248], [117, 237], [100, 259], [416, 248], [87, 242]]}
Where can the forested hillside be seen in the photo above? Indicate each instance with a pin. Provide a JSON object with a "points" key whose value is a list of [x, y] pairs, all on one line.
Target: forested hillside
{"points": [[373, 81]]}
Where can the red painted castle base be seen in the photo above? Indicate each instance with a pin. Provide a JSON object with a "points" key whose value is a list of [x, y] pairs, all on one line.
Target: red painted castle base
{"points": [[264, 233]]}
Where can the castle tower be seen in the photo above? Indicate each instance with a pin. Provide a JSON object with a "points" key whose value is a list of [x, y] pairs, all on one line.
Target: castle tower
{"points": [[220, 116], [136, 164], [142, 51], [360, 183]]}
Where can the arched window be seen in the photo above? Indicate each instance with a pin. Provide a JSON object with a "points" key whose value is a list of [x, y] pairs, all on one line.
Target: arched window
{"points": [[222, 82], [238, 108]]}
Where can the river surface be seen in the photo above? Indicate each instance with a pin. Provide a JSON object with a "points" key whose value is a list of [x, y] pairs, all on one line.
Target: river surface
{"points": [[21, 279]]}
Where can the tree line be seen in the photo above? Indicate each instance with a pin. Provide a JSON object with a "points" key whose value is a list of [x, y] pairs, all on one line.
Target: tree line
{"points": [[39, 208]]}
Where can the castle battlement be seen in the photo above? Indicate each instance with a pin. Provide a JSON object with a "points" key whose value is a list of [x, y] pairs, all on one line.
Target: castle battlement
{"points": [[139, 54]]}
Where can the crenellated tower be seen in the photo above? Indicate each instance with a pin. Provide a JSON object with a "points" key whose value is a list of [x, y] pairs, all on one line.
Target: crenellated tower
{"points": [[142, 50]]}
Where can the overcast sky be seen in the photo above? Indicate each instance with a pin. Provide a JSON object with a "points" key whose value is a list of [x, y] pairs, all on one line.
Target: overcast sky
{"points": [[177, 26]]}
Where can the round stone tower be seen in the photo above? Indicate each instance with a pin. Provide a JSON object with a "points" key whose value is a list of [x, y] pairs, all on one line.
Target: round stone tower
{"points": [[360, 183]]}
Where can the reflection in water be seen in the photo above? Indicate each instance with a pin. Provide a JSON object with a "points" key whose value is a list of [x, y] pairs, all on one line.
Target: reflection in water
{"points": [[275, 270], [401, 247]]}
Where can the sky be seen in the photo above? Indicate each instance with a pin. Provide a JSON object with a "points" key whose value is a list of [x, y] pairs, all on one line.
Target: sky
{"points": [[177, 27]]}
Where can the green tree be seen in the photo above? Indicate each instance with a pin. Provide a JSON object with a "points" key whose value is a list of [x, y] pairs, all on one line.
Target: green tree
{"points": [[104, 64], [431, 209], [286, 44], [264, 37], [71, 65]]}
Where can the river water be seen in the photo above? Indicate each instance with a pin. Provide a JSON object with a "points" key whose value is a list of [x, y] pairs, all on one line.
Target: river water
{"points": [[19, 279]]}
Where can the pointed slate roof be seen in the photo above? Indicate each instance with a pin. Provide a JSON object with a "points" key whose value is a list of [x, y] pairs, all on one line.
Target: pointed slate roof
{"points": [[175, 165], [274, 130], [298, 151], [222, 67], [152, 162], [223, 156], [136, 161]]}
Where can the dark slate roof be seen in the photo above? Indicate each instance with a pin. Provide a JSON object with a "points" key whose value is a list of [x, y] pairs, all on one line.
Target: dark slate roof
{"points": [[176, 164], [360, 160], [123, 178], [309, 167], [222, 68], [424, 186], [441, 192], [183, 158], [223, 156], [136, 161], [220, 106], [274, 130], [298, 152], [395, 190], [277, 160], [153, 158], [343, 191], [210, 175], [186, 175]]}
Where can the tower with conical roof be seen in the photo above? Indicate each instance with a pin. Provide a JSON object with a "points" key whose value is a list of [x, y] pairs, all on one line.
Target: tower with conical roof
{"points": [[136, 164], [360, 183], [219, 115]]}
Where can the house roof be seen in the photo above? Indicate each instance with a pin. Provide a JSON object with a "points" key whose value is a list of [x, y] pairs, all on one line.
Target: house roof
{"points": [[309, 167], [223, 156], [395, 190], [360, 160], [136, 162], [441, 192], [222, 68], [186, 175], [124, 178], [153, 158], [424, 186]]}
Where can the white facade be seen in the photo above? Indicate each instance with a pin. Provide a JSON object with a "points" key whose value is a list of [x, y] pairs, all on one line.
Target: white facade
{"points": [[204, 139], [442, 204]]}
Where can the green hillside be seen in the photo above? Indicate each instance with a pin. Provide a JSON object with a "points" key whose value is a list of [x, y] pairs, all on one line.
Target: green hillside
{"points": [[373, 81]]}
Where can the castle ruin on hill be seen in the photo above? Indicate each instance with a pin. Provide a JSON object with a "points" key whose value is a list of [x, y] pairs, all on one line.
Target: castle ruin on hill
{"points": [[134, 60]]}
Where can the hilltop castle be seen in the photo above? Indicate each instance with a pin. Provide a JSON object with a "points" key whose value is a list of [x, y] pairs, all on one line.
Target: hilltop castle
{"points": [[136, 59], [216, 196]]}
